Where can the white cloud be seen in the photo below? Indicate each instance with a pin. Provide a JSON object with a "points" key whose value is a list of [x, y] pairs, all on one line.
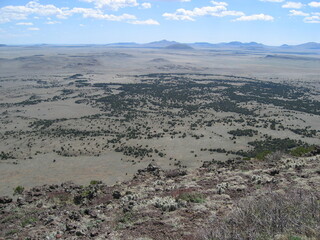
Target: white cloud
{"points": [[219, 3], [145, 22], [174, 16], [296, 5], [98, 14], [52, 22], [276, 1], [298, 13], [218, 10], [228, 13], [113, 4], [24, 23], [255, 17], [11, 13], [34, 9], [312, 19], [314, 4], [33, 29], [146, 5]]}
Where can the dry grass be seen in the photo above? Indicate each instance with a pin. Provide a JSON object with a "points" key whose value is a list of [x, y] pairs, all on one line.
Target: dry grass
{"points": [[290, 215]]}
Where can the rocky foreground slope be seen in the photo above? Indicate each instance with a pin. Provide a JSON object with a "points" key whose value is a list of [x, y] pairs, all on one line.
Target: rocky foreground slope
{"points": [[271, 199]]}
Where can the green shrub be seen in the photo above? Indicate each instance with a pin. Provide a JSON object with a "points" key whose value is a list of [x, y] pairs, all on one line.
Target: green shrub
{"points": [[18, 190], [126, 218], [95, 182], [294, 238], [87, 193], [12, 232], [300, 151], [192, 197], [262, 155]]}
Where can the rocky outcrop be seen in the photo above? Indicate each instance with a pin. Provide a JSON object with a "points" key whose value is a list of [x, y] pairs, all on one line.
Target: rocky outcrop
{"points": [[155, 204]]}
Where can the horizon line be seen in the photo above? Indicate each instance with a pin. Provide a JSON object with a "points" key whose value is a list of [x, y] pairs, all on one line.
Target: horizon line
{"points": [[140, 43]]}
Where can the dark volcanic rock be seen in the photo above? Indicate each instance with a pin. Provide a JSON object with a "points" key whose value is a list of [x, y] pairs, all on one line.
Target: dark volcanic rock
{"points": [[5, 200], [155, 204], [116, 195]]}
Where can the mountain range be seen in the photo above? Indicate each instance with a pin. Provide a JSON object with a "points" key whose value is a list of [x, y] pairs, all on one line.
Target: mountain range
{"points": [[308, 47]]}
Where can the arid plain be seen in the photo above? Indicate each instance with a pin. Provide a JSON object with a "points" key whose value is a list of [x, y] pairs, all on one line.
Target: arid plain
{"points": [[85, 113]]}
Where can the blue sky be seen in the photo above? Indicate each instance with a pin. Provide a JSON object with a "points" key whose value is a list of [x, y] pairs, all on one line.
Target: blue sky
{"points": [[272, 22]]}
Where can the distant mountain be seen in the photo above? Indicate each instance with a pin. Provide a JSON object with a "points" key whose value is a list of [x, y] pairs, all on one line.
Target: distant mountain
{"points": [[309, 45], [285, 46], [160, 44], [203, 44], [179, 46], [236, 44], [232, 45], [157, 44], [305, 48]]}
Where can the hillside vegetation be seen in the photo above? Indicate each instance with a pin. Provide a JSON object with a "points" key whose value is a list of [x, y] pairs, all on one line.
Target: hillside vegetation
{"points": [[274, 198]]}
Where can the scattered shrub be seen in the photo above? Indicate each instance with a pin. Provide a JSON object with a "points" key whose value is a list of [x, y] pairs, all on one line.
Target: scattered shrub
{"points": [[165, 204], [295, 213], [18, 190], [300, 151], [192, 197], [95, 182]]}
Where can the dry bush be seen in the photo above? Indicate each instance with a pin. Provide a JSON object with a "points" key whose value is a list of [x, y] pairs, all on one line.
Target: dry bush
{"points": [[295, 213], [274, 156]]}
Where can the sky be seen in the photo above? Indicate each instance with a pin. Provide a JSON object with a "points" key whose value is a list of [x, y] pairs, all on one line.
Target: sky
{"points": [[271, 22]]}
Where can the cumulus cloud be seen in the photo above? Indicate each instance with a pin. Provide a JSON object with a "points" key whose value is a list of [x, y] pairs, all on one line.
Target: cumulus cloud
{"points": [[24, 23], [298, 13], [312, 19], [218, 10], [145, 22], [255, 17], [276, 1], [219, 3], [113, 4], [296, 5], [98, 14], [36, 10], [177, 17], [314, 4], [146, 5], [10, 13], [52, 22]]}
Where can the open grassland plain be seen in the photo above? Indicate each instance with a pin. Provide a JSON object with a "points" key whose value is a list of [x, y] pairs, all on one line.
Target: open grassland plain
{"points": [[86, 113]]}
